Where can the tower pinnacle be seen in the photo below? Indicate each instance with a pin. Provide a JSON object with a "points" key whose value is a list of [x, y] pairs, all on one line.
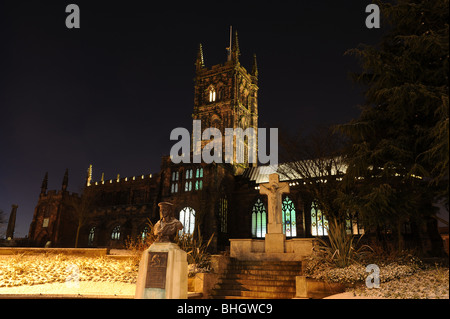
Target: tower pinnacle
{"points": [[65, 180], [235, 51], [44, 184], [199, 63], [255, 66]]}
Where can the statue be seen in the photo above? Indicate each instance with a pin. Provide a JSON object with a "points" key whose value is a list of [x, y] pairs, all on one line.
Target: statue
{"points": [[274, 190], [167, 227]]}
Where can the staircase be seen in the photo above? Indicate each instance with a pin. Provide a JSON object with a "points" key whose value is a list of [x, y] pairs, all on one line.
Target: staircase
{"points": [[258, 279]]}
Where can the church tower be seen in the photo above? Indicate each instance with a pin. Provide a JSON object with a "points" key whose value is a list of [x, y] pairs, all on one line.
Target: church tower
{"points": [[226, 96]]}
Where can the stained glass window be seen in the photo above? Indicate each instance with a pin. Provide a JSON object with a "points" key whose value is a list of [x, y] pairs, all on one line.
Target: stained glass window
{"points": [[319, 223], [289, 218], [259, 219], [115, 234], [187, 218]]}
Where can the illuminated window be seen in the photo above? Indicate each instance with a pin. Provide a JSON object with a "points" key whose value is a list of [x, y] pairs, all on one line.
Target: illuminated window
{"points": [[289, 224], [187, 218], [319, 223], [198, 179], [115, 234], [174, 182], [259, 219], [212, 95], [188, 182], [353, 225], [91, 236]]}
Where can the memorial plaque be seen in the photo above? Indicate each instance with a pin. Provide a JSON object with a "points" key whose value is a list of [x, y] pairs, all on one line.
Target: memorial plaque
{"points": [[156, 270]]}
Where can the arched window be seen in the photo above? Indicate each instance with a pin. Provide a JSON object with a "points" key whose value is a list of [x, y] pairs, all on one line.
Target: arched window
{"points": [[319, 223], [188, 183], [174, 182], [198, 179], [212, 95], [115, 234], [91, 236], [187, 218], [259, 219], [289, 224]]}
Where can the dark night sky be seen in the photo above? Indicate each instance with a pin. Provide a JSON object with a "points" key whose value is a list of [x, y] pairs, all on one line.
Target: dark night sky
{"points": [[110, 93]]}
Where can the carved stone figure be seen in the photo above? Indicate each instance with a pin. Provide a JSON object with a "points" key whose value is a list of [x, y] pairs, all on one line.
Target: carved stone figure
{"points": [[167, 227], [274, 190]]}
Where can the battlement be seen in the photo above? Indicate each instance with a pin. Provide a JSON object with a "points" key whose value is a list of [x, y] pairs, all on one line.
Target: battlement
{"points": [[122, 180], [219, 68]]}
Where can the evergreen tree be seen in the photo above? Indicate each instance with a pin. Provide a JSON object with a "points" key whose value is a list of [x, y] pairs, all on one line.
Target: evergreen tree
{"points": [[400, 141]]}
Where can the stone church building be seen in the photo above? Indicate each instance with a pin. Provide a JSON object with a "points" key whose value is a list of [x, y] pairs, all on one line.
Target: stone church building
{"points": [[220, 199]]}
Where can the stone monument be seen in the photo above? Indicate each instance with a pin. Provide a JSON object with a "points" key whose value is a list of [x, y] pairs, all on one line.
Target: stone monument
{"points": [[274, 246], [163, 268], [274, 189]]}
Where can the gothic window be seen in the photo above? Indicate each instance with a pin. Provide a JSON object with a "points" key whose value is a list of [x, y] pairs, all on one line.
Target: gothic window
{"points": [[188, 182], [352, 225], [223, 214], [288, 218], [259, 219], [91, 236], [212, 94], [198, 179], [174, 182], [115, 234], [187, 218], [319, 223]]}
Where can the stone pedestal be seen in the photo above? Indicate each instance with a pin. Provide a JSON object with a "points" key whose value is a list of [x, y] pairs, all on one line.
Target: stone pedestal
{"points": [[163, 273], [274, 243]]}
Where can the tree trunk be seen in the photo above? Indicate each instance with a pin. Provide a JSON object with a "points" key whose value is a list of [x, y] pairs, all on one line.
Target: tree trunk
{"points": [[78, 234]]}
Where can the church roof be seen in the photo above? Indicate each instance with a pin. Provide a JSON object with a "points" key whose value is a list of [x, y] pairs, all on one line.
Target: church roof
{"points": [[287, 171]]}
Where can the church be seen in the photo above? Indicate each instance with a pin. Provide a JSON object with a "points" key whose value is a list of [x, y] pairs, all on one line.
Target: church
{"points": [[220, 199]]}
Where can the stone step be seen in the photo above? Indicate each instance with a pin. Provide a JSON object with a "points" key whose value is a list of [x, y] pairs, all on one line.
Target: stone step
{"points": [[265, 263], [263, 272], [263, 267], [258, 279], [252, 282], [272, 277], [252, 294], [259, 288]]}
